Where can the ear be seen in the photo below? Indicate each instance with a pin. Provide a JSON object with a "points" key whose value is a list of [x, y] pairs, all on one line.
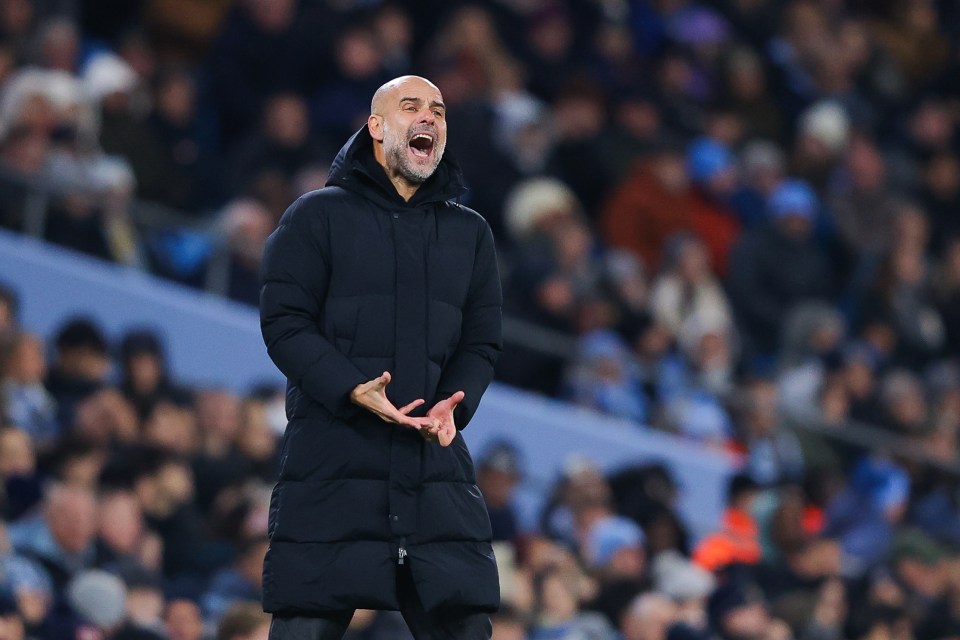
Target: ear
{"points": [[375, 126]]}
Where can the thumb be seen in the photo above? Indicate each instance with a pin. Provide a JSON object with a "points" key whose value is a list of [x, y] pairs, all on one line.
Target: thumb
{"points": [[384, 379], [457, 397]]}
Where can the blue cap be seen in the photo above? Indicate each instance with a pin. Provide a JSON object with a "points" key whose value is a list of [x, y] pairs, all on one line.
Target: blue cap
{"points": [[610, 535], [793, 198], [706, 158]]}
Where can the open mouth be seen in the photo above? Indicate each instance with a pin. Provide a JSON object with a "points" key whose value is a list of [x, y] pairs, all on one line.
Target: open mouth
{"points": [[421, 144]]}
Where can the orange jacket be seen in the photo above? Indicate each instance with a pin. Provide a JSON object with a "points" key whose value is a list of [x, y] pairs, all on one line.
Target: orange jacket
{"points": [[737, 541], [642, 214]]}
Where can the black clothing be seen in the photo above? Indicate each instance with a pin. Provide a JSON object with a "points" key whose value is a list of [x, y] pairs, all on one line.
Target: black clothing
{"points": [[456, 624], [357, 281], [769, 274]]}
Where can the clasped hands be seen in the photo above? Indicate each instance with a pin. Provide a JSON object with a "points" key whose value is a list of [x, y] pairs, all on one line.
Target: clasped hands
{"points": [[436, 426]]}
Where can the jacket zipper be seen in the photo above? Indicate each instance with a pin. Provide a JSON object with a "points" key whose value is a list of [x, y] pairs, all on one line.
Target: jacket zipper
{"points": [[401, 554]]}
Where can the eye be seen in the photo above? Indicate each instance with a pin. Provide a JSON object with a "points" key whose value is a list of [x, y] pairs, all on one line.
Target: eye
{"points": [[438, 113], [410, 108]]}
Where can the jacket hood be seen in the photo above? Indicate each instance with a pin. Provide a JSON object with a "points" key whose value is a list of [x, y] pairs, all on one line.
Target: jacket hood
{"points": [[356, 169]]}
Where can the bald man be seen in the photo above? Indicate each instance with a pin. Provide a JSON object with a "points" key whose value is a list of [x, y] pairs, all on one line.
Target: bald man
{"points": [[380, 302]]}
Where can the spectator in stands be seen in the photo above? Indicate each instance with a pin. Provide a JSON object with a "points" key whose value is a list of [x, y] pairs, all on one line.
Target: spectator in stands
{"points": [[810, 351], [27, 403], [145, 603], [939, 191], [863, 206], [614, 552], [256, 39], [653, 203], [508, 624], [737, 610], [58, 45], [904, 403], [576, 157], [649, 617], [183, 620], [773, 452], [901, 298], [257, 442], [603, 376], [97, 600], [165, 490], [762, 169], [777, 266], [19, 476], [580, 498], [537, 211], [112, 85], [557, 613], [863, 516], [281, 147], [341, 104], [244, 621], [186, 159], [822, 137], [245, 224], [737, 541], [81, 367], [146, 380], [498, 473], [688, 587], [238, 583], [25, 583], [218, 464], [9, 310], [686, 297], [713, 173], [124, 545], [106, 418], [62, 541]]}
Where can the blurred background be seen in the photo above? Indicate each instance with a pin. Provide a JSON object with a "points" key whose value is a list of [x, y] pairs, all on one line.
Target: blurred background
{"points": [[729, 233]]}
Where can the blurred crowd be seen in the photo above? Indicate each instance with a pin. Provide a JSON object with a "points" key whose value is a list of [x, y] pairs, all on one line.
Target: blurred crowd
{"points": [[737, 214], [136, 508]]}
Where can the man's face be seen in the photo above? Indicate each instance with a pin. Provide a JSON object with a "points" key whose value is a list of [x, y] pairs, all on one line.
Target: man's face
{"points": [[414, 129]]}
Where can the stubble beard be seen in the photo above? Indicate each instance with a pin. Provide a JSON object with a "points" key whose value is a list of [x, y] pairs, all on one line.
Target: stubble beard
{"points": [[396, 152]]}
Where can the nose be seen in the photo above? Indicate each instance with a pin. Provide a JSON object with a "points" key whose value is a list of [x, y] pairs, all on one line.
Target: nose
{"points": [[427, 116]]}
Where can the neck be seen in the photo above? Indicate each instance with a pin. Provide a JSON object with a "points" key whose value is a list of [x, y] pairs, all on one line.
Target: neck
{"points": [[404, 187]]}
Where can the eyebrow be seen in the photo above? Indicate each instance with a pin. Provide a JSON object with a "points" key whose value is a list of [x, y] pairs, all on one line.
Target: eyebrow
{"points": [[419, 101]]}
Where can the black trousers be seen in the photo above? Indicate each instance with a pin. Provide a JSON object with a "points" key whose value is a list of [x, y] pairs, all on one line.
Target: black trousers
{"points": [[448, 624]]}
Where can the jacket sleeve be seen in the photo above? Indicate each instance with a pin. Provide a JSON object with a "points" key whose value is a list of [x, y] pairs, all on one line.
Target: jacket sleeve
{"points": [[470, 369], [295, 275]]}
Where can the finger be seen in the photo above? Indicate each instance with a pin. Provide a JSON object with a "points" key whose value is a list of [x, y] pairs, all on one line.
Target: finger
{"points": [[383, 380], [419, 424], [446, 435], [410, 407], [458, 397]]}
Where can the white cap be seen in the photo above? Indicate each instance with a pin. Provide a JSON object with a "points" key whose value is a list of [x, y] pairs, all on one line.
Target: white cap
{"points": [[533, 200], [827, 122], [107, 73]]}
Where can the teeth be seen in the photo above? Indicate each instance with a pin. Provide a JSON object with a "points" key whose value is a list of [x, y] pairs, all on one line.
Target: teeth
{"points": [[422, 135]]}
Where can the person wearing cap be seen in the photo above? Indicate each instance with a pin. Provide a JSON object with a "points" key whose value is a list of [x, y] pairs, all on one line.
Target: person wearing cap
{"points": [[614, 552], [776, 266], [668, 194], [712, 167]]}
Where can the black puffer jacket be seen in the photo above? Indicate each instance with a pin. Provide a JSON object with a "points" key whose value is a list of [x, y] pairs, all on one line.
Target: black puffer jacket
{"points": [[356, 281]]}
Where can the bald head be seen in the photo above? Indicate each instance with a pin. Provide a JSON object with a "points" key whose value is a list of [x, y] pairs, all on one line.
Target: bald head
{"points": [[408, 124], [388, 92]]}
